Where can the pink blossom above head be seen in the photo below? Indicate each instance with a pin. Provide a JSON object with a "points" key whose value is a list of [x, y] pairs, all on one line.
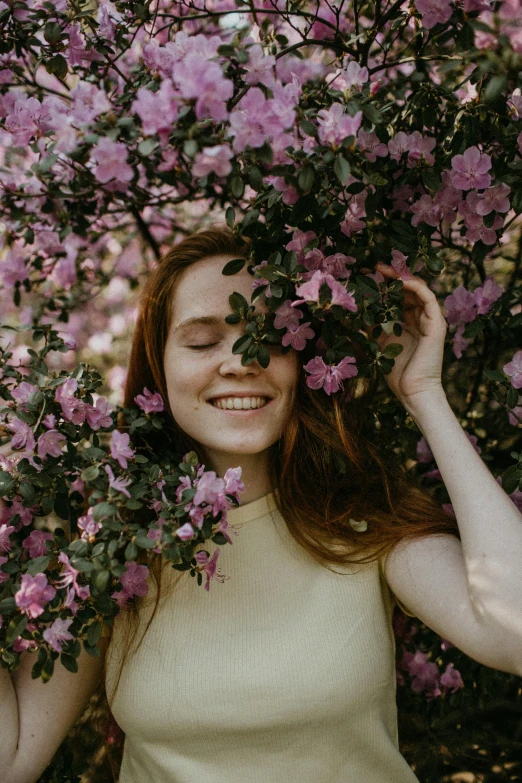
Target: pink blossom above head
{"points": [[370, 145], [335, 125], [213, 160], [329, 377], [111, 159], [354, 75], [514, 370], [58, 633], [149, 402], [425, 210], [73, 409], [33, 594], [310, 291], [158, 111], [50, 444], [120, 448], [469, 170], [35, 543]]}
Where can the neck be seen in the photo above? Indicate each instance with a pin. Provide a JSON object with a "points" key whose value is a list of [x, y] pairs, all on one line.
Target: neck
{"points": [[254, 472]]}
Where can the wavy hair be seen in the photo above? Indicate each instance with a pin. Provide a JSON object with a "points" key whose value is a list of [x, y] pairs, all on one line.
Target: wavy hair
{"points": [[328, 467]]}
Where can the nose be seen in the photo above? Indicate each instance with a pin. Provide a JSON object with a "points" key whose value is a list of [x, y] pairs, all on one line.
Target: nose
{"points": [[231, 364]]}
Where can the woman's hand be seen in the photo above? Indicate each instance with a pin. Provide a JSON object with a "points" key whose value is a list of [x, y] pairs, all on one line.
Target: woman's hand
{"points": [[418, 368]]}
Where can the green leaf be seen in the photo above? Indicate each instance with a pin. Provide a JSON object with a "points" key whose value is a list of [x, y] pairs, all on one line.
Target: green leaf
{"points": [[494, 375], [512, 397], [237, 186], [230, 217], [306, 178], [234, 266], [392, 350], [263, 356], [241, 344], [233, 318], [94, 633], [15, 627], [101, 580], [38, 565], [309, 129], [147, 147], [90, 473], [69, 662], [6, 482], [102, 510], [237, 302], [131, 551], [342, 169], [7, 605]]}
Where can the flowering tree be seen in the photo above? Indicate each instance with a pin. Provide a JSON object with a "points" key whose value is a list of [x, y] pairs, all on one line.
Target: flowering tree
{"points": [[333, 134]]}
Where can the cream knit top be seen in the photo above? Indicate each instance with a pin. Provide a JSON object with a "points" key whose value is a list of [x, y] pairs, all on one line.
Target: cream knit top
{"points": [[284, 671]]}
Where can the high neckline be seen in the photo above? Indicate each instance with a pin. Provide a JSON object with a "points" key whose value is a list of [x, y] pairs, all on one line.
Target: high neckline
{"points": [[253, 510]]}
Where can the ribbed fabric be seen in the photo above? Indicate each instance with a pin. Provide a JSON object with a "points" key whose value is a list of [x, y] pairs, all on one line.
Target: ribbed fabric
{"points": [[283, 672]]}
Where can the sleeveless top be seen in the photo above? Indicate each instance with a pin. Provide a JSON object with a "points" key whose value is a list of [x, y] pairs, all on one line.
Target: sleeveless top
{"points": [[283, 671]]}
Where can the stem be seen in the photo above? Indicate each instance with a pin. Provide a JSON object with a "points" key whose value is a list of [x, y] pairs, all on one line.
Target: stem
{"points": [[145, 232]]}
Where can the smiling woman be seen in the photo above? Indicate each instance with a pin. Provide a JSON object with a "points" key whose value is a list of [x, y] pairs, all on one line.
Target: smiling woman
{"points": [[288, 669]]}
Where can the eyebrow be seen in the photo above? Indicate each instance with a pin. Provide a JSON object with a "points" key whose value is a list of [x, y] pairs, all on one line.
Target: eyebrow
{"points": [[206, 320]]}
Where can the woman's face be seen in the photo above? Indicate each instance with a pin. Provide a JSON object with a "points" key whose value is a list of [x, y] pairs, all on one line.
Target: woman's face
{"points": [[201, 370]]}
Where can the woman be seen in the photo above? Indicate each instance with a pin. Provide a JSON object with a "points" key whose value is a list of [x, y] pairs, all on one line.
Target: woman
{"points": [[286, 668]]}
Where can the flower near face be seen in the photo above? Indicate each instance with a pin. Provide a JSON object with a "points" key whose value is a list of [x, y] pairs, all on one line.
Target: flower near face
{"points": [[23, 392], [149, 402], [99, 415], [233, 483], [287, 316], [73, 409], [58, 633], [120, 449], [33, 594], [69, 578], [310, 291], [329, 377], [514, 370], [298, 336], [335, 125], [5, 541]]}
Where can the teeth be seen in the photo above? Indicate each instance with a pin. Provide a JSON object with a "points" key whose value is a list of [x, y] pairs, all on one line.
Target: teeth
{"points": [[239, 403]]}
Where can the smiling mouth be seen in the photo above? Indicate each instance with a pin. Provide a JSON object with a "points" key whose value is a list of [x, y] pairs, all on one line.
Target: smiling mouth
{"points": [[240, 403]]}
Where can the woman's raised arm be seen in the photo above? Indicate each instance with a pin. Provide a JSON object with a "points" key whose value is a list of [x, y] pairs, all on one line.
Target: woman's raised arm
{"points": [[36, 717]]}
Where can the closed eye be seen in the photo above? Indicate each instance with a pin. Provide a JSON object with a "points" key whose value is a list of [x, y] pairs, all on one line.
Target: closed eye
{"points": [[200, 347]]}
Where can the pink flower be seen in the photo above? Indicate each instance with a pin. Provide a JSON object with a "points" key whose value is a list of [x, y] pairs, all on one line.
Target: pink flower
{"points": [[22, 393], [133, 581], [370, 145], [400, 265], [69, 578], [287, 316], [210, 491], [514, 370], [352, 222], [335, 125], [299, 241], [495, 198], [49, 421], [49, 444], [329, 377], [470, 170], [354, 75], [233, 483], [451, 680], [310, 291], [460, 306], [149, 402], [118, 484], [120, 449], [424, 452], [298, 336], [111, 157], [5, 541], [99, 415], [33, 594], [185, 532], [158, 111], [23, 437], [425, 210], [58, 633], [35, 543], [459, 342], [209, 565], [434, 12], [73, 409], [215, 159], [88, 525], [485, 295]]}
